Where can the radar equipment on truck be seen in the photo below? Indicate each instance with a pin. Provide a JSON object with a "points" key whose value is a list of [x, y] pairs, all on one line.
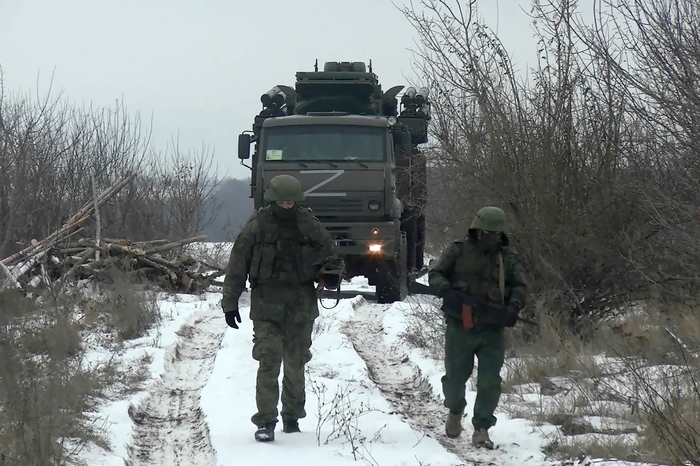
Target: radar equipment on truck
{"points": [[357, 157]]}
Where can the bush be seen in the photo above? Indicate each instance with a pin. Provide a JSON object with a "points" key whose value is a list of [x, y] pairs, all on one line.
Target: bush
{"points": [[425, 328], [44, 390], [593, 156], [128, 312], [53, 154]]}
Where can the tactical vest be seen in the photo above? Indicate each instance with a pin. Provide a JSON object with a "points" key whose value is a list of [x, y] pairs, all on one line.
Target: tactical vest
{"points": [[285, 252], [480, 274]]}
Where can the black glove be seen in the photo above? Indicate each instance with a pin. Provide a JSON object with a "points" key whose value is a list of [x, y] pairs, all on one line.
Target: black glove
{"points": [[451, 298], [232, 317], [510, 315]]}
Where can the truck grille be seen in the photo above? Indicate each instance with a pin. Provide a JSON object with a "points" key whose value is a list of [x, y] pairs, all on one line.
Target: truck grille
{"points": [[330, 206]]}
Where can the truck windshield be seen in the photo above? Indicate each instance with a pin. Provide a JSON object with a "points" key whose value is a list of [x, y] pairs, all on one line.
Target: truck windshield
{"points": [[325, 143]]}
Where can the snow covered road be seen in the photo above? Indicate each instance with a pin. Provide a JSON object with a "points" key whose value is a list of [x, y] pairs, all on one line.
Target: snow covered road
{"points": [[169, 426], [371, 399]]}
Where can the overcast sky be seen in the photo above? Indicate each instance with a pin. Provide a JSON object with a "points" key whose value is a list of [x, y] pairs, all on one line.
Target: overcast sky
{"points": [[198, 68]]}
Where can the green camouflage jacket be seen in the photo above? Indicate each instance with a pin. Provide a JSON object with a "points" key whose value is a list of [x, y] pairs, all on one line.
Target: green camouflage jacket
{"points": [[467, 267], [280, 255]]}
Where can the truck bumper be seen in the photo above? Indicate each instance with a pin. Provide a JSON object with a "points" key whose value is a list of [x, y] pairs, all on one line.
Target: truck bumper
{"points": [[378, 239]]}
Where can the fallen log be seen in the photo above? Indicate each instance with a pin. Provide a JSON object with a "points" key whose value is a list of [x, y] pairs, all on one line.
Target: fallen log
{"points": [[60, 259], [175, 244], [8, 280], [76, 221]]}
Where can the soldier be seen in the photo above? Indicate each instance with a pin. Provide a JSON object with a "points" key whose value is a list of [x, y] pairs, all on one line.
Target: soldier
{"points": [[483, 290], [281, 249]]}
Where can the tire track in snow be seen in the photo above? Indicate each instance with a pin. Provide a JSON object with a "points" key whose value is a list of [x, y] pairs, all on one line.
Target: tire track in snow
{"points": [[169, 425], [403, 385]]}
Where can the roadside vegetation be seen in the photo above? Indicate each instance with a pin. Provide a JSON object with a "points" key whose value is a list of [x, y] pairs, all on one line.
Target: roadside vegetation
{"points": [[594, 154]]}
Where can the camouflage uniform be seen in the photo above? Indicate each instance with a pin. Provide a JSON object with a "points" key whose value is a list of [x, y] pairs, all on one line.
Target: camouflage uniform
{"points": [[474, 268], [280, 256]]}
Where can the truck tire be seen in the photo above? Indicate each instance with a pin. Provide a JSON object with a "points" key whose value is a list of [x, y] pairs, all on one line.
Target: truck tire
{"points": [[392, 284]]}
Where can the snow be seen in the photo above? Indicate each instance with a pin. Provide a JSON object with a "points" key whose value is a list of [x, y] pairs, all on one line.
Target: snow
{"points": [[174, 311], [228, 401], [203, 378]]}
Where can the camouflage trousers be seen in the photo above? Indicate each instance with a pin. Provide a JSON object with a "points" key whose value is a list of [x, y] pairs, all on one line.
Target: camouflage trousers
{"points": [[276, 343], [461, 345]]}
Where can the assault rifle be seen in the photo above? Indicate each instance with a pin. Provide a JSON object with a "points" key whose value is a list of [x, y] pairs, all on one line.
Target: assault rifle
{"points": [[486, 310]]}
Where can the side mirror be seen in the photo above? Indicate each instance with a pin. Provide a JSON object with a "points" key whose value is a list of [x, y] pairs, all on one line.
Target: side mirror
{"points": [[244, 146]]}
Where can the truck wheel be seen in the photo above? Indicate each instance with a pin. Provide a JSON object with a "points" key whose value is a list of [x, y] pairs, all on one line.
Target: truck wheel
{"points": [[392, 283]]}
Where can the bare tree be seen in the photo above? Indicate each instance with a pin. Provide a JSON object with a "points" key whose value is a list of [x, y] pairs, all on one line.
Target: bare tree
{"points": [[189, 186], [554, 152], [653, 50], [52, 153]]}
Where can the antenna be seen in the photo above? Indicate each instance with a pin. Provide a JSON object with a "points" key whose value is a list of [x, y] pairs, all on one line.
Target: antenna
{"points": [[370, 65], [316, 65]]}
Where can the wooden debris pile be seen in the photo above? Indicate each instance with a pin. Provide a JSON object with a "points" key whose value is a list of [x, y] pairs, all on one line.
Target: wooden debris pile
{"points": [[61, 257]]}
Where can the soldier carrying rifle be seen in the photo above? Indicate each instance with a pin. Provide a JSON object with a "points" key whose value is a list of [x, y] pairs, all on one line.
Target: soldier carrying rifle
{"points": [[483, 290]]}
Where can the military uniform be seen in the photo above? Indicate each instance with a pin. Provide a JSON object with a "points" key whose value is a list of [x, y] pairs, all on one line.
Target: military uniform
{"points": [[483, 266], [279, 251]]}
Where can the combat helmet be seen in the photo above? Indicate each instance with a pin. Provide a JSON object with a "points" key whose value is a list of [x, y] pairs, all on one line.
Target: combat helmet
{"points": [[489, 218], [284, 188]]}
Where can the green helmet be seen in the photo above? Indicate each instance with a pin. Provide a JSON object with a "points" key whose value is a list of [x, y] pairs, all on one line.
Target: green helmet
{"points": [[489, 218], [284, 188]]}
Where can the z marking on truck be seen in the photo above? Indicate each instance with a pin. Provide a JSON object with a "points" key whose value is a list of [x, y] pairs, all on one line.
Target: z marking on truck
{"points": [[311, 192]]}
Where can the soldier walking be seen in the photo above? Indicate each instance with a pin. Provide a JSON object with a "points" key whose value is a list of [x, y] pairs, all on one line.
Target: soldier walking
{"points": [[483, 290], [280, 250]]}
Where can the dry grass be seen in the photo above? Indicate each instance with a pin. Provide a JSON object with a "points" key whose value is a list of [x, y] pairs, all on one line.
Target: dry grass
{"points": [[636, 375], [599, 446], [47, 394], [127, 312], [215, 254], [44, 390], [637, 371], [673, 430], [425, 328]]}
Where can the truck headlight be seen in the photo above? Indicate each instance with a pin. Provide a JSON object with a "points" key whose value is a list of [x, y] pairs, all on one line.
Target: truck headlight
{"points": [[375, 247], [374, 205]]}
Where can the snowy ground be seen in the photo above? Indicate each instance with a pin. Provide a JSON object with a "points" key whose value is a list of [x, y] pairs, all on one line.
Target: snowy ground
{"points": [[370, 398]]}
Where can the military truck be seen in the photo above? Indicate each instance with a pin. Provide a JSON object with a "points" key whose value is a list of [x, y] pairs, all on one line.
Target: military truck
{"points": [[355, 151]]}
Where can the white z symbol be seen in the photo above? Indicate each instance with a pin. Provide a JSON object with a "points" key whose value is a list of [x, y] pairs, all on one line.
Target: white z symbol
{"points": [[311, 191]]}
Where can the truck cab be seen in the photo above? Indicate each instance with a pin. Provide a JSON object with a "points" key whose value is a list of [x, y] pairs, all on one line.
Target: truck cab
{"points": [[344, 140]]}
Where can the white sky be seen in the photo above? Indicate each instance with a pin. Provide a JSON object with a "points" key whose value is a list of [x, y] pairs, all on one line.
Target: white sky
{"points": [[199, 67]]}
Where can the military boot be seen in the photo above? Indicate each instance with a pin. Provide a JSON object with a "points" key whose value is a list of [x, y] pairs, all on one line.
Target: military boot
{"points": [[480, 439], [453, 426], [290, 426], [265, 432]]}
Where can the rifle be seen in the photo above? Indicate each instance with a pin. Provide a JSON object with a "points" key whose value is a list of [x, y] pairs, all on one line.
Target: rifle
{"points": [[469, 303]]}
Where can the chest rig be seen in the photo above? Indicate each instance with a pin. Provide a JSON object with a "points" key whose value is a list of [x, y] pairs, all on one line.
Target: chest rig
{"points": [[480, 273], [285, 251]]}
